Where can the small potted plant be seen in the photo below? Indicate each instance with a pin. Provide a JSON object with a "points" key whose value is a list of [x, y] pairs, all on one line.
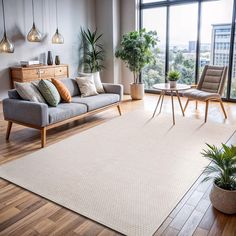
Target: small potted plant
{"points": [[136, 51], [173, 76], [223, 172]]}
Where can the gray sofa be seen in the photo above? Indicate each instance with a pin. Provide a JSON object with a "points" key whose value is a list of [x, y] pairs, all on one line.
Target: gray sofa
{"points": [[43, 117]]}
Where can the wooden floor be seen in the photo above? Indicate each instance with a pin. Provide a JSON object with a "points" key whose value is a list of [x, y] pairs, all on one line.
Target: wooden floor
{"points": [[24, 213]]}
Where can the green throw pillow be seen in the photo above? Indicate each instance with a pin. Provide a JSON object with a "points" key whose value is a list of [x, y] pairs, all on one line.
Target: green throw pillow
{"points": [[49, 92]]}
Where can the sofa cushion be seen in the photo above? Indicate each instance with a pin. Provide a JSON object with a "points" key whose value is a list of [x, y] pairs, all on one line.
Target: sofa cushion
{"points": [[49, 92], [65, 111], [71, 85], [98, 101]]}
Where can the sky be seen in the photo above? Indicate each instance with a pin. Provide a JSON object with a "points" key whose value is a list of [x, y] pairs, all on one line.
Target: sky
{"points": [[183, 20]]}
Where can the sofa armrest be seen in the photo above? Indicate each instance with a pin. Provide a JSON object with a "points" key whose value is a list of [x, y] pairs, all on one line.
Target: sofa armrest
{"points": [[26, 112], [114, 88]]}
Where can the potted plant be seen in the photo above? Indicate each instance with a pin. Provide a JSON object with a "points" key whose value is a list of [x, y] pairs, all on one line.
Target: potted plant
{"points": [[136, 51], [223, 172], [173, 76], [93, 51]]}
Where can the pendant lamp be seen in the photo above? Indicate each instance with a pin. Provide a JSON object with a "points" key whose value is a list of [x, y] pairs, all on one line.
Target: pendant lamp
{"points": [[34, 35], [57, 37], [6, 45]]}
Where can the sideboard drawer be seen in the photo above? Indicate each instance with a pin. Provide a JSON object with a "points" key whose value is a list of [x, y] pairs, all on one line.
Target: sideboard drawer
{"points": [[61, 71], [29, 75], [46, 73]]}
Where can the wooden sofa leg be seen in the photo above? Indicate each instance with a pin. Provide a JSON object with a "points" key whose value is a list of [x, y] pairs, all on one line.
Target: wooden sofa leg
{"points": [[43, 137], [206, 111], [9, 126], [119, 109], [223, 109], [196, 104]]}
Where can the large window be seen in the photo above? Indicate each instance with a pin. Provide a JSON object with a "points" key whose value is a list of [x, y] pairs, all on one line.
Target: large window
{"points": [[215, 34], [156, 73], [192, 34], [183, 34]]}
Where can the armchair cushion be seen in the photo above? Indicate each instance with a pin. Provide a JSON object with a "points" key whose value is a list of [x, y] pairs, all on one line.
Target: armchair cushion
{"points": [[200, 95]]}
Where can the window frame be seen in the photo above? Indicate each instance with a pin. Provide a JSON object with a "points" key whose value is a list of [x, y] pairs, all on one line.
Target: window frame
{"points": [[167, 4]]}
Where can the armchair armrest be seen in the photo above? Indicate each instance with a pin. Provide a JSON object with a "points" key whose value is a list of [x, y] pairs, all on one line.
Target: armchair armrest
{"points": [[114, 88], [26, 112]]}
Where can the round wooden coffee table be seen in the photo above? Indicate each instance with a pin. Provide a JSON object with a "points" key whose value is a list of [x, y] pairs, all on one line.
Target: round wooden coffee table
{"points": [[164, 88]]}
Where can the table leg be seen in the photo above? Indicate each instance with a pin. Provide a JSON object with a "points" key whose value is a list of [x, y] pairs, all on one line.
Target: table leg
{"points": [[162, 99], [173, 110], [162, 94], [177, 93]]}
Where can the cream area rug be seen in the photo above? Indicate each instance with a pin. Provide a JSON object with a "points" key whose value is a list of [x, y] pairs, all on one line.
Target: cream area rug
{"points": [[127, 174]]}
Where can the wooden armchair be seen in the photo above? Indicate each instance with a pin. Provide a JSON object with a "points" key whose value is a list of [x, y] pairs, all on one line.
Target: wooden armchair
{"points": [[209, 88]]}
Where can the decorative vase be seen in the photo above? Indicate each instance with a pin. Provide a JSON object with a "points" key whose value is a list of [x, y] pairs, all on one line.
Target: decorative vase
{"points": [[137, 91], [173, 84], [223, 200], [57, 60], [49, 59]]}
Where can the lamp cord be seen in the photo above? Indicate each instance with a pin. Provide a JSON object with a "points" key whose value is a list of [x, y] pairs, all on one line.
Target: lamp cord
{"points": [[56, 15], [33, 10], [3, 14]]}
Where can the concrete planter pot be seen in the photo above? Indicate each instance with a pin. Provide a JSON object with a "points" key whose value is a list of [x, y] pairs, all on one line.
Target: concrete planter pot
{"points": [[223, 200], [173, 84], [137, 91]]}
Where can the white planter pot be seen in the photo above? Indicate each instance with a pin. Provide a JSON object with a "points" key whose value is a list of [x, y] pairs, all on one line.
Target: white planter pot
{"points": [[173, 84], [223, 200], [137, 91]]}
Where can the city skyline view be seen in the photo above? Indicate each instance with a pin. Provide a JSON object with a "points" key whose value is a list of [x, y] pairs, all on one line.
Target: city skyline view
{"points": [[214, 40]]}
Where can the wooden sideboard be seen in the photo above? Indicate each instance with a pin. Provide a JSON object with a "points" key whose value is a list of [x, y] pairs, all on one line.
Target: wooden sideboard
{"points": [[31, 73]]}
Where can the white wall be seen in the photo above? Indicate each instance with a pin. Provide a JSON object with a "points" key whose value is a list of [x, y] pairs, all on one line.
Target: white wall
{"points": [[73, 14]]}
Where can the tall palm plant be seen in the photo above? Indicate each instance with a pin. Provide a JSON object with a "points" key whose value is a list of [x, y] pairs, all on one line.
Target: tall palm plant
{"points": [[93, 51], [223, 170]]}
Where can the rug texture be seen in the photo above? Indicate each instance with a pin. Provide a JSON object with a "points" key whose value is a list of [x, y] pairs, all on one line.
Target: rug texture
{"points": [[127, 174]]}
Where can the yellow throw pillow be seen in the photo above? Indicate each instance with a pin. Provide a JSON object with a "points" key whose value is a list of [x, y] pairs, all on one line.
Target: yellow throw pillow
{"points": [[62, 90]]}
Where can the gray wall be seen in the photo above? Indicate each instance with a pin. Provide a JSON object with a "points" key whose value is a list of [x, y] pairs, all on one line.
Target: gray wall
{"points": [[115, 18], [73, 14], [108, 23], [129, 22]]}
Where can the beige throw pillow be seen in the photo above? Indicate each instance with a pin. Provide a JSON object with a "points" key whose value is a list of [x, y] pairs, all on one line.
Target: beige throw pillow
{"points": [[97, 80], [98, 83], [29, 92], [87, 86]]}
